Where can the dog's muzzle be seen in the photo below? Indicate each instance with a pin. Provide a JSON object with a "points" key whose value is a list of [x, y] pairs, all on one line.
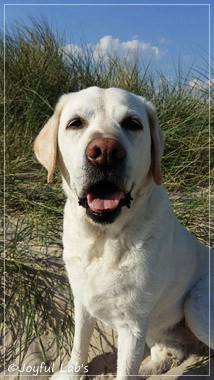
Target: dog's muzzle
{"points": [[105, 195]]}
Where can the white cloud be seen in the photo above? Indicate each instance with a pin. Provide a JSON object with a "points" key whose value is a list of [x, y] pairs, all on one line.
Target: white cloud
{"points": [[162, 41], [71, 48], [202, 88], [108, 45], [201, 85]]}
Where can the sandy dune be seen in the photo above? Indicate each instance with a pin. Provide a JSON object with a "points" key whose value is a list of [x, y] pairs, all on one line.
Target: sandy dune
{"points": [[102, 360]]}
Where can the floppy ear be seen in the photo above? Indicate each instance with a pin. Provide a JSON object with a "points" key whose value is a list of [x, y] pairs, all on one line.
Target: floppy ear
{"points": [[157, 143], [45, 145]]}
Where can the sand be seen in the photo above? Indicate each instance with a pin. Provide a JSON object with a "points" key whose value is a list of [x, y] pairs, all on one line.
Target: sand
{"points": [[101, 363]]}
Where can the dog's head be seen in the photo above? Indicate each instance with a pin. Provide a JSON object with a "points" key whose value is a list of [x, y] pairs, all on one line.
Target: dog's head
{"points": [[108, 145]]}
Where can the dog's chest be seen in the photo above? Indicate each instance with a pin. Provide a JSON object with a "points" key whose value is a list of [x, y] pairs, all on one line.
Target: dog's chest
{"points": [[106, 279]]}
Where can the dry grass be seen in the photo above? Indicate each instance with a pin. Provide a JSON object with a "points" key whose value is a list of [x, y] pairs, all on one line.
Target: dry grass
{"points": [[37, 72]]}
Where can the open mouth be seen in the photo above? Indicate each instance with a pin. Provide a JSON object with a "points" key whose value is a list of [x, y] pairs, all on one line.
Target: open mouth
{"points": [[104, 201]]}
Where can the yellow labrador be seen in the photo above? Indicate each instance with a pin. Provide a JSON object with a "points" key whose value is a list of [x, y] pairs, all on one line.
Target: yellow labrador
{"points": [[129, 261]]}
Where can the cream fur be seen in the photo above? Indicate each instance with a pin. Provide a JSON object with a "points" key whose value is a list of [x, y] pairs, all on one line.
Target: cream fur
{"points": [[143, 273]]}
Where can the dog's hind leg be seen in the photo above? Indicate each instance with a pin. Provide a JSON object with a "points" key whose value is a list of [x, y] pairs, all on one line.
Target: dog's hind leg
{"points": [[199, 310], [162, 359], [168, 348]]}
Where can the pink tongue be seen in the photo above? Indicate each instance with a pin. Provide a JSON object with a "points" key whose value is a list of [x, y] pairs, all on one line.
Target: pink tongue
{"points": [[108, 202]]}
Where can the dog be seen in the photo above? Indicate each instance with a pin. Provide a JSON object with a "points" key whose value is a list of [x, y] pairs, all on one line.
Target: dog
{"points": [[129, 261]]}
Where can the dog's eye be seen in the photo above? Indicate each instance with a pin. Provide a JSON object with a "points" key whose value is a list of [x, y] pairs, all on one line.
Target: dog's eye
{"points": [[131, 124], [74, 124]]}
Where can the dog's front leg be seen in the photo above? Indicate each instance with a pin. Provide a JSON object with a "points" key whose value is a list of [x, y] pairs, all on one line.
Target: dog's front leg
{"points": [[84, 326], [131, 342]]}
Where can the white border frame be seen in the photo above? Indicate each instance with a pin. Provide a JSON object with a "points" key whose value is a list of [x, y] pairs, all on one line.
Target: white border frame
{"points": [[209, 138]]}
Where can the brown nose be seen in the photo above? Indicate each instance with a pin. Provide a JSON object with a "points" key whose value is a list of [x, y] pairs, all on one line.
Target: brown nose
{"points": [[105, 152]]}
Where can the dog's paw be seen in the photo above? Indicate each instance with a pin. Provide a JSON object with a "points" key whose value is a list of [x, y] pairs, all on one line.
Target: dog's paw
{"points": [[67, 376], [60, 376], [157, 368], [131, 377]]}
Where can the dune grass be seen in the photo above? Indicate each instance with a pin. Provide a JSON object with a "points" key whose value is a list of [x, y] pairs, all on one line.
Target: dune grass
{"points": [[37, 71]]}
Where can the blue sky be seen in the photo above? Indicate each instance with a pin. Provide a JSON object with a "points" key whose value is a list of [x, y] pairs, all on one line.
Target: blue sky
{"points": [[170, 31]]}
